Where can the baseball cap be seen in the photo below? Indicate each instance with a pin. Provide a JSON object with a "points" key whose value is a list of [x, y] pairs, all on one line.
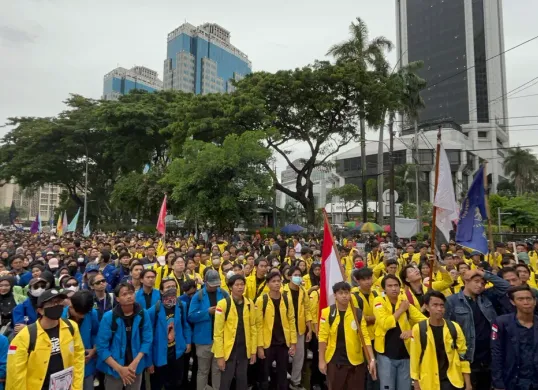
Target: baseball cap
{"points": [[50, 253], [92, 268], [49, 295], [36, 280], [54, 263], [212, 278]]}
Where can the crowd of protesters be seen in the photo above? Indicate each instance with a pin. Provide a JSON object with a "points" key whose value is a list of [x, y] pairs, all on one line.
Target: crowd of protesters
{"points": [[125, 311]]}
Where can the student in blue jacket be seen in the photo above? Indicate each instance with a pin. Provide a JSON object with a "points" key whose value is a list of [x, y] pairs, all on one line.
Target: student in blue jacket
{"points": [[124, 340], [147, 296], [108, 269], [171, 338], [82, 312], [25, 313], [202, 317], [189, 290], [4, 346]]}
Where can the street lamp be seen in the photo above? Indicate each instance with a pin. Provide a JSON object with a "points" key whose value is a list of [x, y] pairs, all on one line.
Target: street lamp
{"points": [[499, 220]]}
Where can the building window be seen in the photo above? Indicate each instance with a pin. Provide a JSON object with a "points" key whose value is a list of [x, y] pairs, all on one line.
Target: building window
{"points": [[482, 134], [425, 157]]}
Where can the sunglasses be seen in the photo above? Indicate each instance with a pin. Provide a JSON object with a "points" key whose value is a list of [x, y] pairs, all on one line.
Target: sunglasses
{"points": [[39, 285], [71, 285], [97, 282]]}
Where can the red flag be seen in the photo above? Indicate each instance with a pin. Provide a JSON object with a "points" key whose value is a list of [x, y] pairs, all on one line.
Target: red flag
{"points": [[161, 223], [331, 272]]}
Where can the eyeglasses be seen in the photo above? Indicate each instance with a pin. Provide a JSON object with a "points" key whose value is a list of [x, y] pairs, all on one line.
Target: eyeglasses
{"points": [[97, 282]]}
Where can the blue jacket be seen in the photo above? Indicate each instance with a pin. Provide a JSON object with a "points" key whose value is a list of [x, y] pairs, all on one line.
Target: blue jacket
{"points": [[108, 273], [505, 357], [109, 344], [120, 276], [24, 313], [199, 316], [139, 297], [25, 279], [102, 306], [88, 332], [459, 310], [160, 334], [4, 346]]}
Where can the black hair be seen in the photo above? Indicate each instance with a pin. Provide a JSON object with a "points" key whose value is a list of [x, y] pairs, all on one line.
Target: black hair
{"points": [[403, 275], [515, 289], [294, 268], [124, 254], [165, 280], [523, 265], [188, 284], [271, 275], [506, 270], [176, 258], [234, 279], [105, 255], [82, 301], [16, 257], [238, 266], [363, 273], [260, 259], [126, 285], [147, 270], [460, 264], [390, 262], [433, 294], [305, 250], [341, 286], [387, 277]]}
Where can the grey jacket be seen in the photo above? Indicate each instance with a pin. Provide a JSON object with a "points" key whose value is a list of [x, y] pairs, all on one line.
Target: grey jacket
{"points": [[459, 310]]}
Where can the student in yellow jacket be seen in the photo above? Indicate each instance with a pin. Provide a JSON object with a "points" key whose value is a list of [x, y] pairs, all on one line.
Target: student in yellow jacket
{"points": [[303, 321], [374, 257], [46, 347], [343, 360], [366, 295], [394, 318], [277, 337], [434, 369], [256, 283], [234, 337]]}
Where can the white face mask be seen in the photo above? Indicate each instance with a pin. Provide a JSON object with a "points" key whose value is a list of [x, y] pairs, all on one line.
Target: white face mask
{"points": [[229, 274], [37, 292], [72, 288]]}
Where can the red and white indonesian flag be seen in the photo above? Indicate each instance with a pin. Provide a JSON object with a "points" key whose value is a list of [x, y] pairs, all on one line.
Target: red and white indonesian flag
{"points": [[330, 269]]}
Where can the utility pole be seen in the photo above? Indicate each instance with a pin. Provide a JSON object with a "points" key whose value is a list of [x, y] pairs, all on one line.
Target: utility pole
{"points": [[417, 166], [392, 185], [274, 202], [363, 172], [85, 191]]}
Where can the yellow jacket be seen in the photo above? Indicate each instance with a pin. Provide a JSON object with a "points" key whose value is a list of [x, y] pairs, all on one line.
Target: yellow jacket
{"points": [[28, 371], [384, 320], [347, 263], [225, 329], [162, 272], [374, 260], [307, 282], [329, 333], [437, 285], [265, 321], [303, 313], [251, 291], [367, 307], [314, 309], [427, 373]]}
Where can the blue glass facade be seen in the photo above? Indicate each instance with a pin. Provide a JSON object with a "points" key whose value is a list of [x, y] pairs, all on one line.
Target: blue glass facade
{"points": [[124, 85], [228, 65]]}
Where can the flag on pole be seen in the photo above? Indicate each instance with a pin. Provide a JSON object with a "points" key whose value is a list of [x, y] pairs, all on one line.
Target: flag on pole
{"points": [[35, 225], [445, 200], [161, 223], [330, 269], [87, 232], [40, 227], [13, 213], [64, 223], [73, 224], [146, 169], [59, 226], [471, 232]]}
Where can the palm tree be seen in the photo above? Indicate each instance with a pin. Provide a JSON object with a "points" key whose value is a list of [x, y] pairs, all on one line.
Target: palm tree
{"points": [[369, 54], [522, 167]]}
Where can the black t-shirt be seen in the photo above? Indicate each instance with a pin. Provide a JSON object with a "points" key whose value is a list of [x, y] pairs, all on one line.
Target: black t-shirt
{"points": [[171, 331], [240, 343], [212, 302], [482, 327], [420, 297], [277, 338], [129, 331], [340, 353], [394, 345], [295, 299], [147, 300], [55, 363], [442, 359]]}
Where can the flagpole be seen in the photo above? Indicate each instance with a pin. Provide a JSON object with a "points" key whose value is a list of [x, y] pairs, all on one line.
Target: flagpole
{"points": [[486, 200], [337, 253], [434, 212]]}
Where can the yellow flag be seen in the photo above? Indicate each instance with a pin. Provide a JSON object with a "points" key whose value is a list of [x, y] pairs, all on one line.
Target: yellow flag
{"points": [[161, 249]]}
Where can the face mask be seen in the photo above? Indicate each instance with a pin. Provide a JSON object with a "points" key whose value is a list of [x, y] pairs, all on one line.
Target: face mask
{"points": [[72, 288], [53, 269], [169, 298], [297, 280], [72, 269], [54, 312], [80, 260], [276, 264], [37, 292], [229, 274]]}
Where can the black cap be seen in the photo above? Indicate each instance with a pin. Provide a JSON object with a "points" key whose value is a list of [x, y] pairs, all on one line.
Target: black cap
{"points": [[49, 295]]}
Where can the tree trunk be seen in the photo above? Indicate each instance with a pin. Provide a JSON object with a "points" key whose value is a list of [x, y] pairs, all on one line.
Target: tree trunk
{"points": [[380, 175]]}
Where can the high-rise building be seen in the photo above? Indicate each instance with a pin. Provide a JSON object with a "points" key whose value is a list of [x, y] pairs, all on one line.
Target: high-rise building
{"points": [[121, 81], [202, 60], [28, 202], [461, 44]]}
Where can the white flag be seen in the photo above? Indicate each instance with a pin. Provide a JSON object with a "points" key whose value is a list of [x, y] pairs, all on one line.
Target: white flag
{"points": [[445, 200]]}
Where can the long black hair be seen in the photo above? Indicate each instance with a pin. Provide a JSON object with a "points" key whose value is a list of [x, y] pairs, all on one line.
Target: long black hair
{"points": [[313, 278]]}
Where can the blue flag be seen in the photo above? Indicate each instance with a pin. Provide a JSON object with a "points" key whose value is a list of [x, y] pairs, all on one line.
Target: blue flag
{"points": [[471, 232], [73, 224]]}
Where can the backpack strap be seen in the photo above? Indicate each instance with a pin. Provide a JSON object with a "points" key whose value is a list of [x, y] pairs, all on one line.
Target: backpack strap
{"points": [[200, 294], [265, 299], [114, 323], [228, 306], [70, 326], [453, 333], [285, 296], [409, 296], [423, 328], [32, 330], [375, 293], [332, 314], [360, 302], [157, 307]]}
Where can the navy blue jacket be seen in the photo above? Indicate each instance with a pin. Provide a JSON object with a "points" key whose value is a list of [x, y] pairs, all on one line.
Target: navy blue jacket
{"points": [[505, 359]]}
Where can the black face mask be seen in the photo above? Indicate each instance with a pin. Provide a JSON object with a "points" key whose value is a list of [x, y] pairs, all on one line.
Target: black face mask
{"points": [[72, 269], [54, 312]]}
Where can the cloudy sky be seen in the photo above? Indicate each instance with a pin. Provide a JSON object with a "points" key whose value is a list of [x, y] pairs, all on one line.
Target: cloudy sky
{"points": [[50, 48]]}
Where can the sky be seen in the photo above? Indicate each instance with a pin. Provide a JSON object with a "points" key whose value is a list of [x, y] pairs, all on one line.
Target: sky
{"points": [[51, 48]]}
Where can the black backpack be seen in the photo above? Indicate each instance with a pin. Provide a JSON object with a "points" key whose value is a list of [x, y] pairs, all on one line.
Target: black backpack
{"points": [[333, 311], [266, 301], [360, 300], [228, 306], [423, 328], [32, 329]]}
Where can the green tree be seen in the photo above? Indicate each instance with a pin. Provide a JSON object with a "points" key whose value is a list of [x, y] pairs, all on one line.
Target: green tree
{"points": [[350, 194], [522, 167], [496, 201], [522, 211]]}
